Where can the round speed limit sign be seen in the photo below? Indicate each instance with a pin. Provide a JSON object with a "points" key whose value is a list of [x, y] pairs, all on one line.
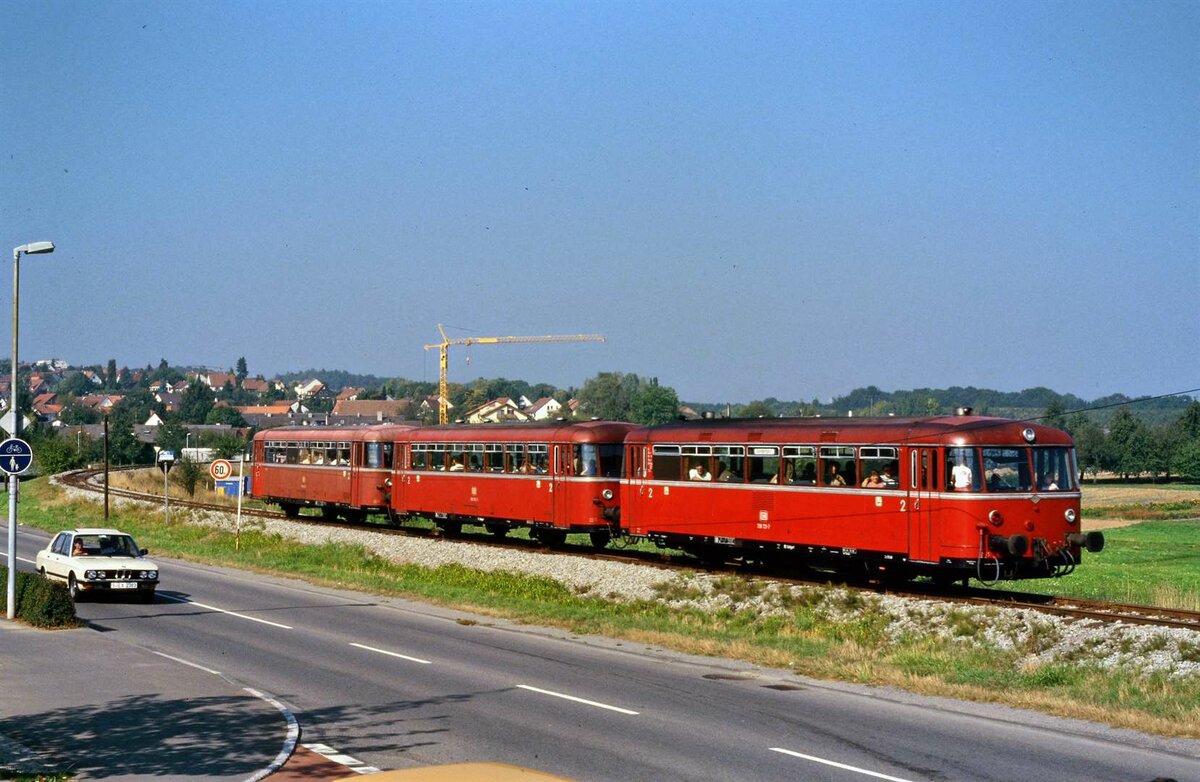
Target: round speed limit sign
{"points": [[220, 469]]}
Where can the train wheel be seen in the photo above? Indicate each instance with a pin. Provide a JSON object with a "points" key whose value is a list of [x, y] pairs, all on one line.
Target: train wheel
{"points": [[329, 513], [600, 538], [290, 509], [552, 537], [497, 530], [450, 529]]}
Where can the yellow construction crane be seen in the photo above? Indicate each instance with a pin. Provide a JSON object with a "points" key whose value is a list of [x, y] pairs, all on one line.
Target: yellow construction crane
{"points": [[444, 346]]}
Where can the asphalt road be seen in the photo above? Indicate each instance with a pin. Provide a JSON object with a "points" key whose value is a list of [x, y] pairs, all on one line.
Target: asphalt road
{"points": [[399, 684]]}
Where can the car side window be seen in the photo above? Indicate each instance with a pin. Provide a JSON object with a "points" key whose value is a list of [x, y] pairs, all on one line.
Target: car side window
{"points": [[60, 543]]}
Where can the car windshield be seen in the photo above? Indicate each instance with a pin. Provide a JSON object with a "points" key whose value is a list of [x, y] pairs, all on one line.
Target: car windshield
{"points": [[108, 545]]}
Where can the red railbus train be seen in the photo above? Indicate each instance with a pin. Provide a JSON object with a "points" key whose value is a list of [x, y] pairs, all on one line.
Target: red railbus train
{"points": [[950, 498], [946, 497]]}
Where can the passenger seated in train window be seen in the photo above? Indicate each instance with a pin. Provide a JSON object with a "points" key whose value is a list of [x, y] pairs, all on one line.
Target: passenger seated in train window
{"points": [[699, 473], [873, 481], [833, 477], [788, 474], [889, 478], [725, 474], [456, 466]]}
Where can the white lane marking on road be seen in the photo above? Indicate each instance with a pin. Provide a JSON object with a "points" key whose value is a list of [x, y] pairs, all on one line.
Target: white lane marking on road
{"points": [[577, 700], [223, 611], [185, 662], [838, 765], [289, 742], [393, 654], [329, 753]]}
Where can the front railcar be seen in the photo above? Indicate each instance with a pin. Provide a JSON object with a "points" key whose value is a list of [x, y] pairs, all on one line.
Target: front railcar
{"points": [[1009, 502]]}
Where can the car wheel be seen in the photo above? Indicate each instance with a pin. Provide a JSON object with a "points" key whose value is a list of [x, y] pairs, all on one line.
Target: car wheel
{"points": [[73, 588]]}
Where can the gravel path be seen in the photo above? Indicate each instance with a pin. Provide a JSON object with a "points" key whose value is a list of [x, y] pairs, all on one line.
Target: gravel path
{"points": [[1040, 638]]}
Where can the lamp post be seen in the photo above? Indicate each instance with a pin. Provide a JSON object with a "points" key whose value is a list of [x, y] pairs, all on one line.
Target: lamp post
{"points": [[33, 248]]}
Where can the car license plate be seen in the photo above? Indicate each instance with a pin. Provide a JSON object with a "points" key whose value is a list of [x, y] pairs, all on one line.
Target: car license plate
{"points": [[122, 585]]}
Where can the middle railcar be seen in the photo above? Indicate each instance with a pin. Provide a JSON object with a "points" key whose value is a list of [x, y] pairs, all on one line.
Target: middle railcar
{"points": [[555, 478]]}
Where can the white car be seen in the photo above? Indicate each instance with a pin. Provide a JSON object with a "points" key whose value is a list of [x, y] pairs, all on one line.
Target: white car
{"points": [[95, 561]]}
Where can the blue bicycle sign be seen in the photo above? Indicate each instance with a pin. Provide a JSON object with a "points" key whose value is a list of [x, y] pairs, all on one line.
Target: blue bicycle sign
{"points": [[15, 456]]}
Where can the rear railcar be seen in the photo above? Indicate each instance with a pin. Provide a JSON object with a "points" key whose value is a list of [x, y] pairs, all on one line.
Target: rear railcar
{"points": [[555, 478], [341, 471], [859, 494]]}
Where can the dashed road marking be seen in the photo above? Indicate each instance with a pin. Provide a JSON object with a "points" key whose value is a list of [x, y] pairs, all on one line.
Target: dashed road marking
{"points": [[224, 611], [835, 764], [329, 753], [392, 654], [577, 700]]}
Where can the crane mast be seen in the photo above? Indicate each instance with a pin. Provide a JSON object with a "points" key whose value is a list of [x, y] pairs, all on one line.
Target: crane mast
{"points": [[444, 359]]}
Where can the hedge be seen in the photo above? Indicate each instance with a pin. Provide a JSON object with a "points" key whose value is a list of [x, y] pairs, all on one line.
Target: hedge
{"points": [[40, 602]]}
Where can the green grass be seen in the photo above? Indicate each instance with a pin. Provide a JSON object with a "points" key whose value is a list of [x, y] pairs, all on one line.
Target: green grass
{"points": [[1152, 563], [804, 639]]}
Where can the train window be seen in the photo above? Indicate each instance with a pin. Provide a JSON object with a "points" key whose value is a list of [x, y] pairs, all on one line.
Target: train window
{"points": [[473, 453], [493, 457], [514, 455], [880, 467], [388, 452], [374, 454], [1054, 468], [697, 460], [763, 464], [837, 466], [539, 458], [612, 457], [586, 459], [1007, 469], [799, 465], [962, 470], [420, 456], [731, 463], [437, 456], [666, 463]]}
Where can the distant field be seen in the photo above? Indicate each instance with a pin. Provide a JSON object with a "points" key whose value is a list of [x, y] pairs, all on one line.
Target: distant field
{"points": [[1108, 506]]}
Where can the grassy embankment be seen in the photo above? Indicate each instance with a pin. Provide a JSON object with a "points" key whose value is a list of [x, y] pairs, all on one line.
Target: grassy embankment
{"points": [[1158, 557]]}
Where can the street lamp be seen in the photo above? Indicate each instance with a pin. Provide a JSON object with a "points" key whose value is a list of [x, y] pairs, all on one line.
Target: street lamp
{"points": [[33, 248]]}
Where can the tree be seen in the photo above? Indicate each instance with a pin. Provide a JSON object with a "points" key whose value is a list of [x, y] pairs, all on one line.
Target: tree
{"points": [[654, 404], [225, 445], [756, 409], [1129, 446], [172, 434], [607, 396], [242, 371], [186, 474], [224, 415], [1089, 444], [110, 374], [196, 404], [1055, 415], [74, 413]]}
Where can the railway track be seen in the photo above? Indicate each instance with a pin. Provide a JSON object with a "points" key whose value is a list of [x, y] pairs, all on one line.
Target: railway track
{"points": [[1098, 610]]}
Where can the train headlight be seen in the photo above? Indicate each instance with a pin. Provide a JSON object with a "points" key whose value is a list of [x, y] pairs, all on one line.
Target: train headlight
{"points": [[607, 494], [1029, 435], [996, 518], [387, 482], [1070, 516]]}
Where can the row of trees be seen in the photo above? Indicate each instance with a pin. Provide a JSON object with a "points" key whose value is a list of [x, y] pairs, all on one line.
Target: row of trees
{"points": [[1128, 446]]}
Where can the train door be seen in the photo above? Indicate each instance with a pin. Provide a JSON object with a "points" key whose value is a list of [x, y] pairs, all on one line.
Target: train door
{"points": [[358, 496], [561, 485], [922, 504]]}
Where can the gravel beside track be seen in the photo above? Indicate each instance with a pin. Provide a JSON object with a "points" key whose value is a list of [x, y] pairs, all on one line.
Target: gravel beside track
{"points": [[1041, 638]]}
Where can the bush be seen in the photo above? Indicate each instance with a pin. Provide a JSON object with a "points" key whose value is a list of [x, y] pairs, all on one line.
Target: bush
{"points": [[40, 602]]}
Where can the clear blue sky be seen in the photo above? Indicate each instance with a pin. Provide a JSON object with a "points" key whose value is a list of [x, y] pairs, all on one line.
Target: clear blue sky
{"points": [[746, 199]]}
